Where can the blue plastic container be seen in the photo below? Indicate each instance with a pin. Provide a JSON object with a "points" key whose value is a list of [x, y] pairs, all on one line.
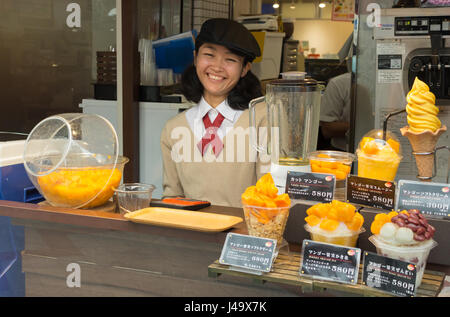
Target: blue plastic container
{"points": [[15, 186], [175, 52]]}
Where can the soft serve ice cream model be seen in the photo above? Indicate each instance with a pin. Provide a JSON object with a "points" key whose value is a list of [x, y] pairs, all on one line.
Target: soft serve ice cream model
{"points": [[424, 128]]}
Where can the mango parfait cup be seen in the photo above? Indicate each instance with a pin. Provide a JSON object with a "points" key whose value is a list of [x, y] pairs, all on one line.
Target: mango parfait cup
{"points": [[348, 239], [416, 254], [266, 222]]}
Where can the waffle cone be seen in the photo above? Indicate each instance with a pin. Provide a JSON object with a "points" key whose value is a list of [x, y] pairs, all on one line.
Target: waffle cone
{"points": [[424, 142]]}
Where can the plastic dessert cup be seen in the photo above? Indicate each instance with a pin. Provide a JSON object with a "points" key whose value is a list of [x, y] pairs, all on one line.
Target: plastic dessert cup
{"points": [[377, 168], [416, 254], [266, 222], [337, 163], [379, 155], [320, 235]]}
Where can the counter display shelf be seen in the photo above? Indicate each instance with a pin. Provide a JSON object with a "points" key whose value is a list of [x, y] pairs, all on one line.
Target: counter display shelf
{"points": [[117, 257], [285, 271]]}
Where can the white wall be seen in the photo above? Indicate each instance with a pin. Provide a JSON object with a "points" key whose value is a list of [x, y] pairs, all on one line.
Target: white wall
{"points": [[325, 35], [246, 7]]}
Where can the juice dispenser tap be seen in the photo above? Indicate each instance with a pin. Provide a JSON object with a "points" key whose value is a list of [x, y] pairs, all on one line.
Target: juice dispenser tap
{"points": [[293, 110]]}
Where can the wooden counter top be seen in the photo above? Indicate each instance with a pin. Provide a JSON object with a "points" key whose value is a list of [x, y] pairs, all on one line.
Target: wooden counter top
{"points": [[116, 256], [113, 221]]}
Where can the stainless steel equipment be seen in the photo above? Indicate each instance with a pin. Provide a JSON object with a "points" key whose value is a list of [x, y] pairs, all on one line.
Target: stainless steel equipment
{"points": [[293, 109], [407, 43], [289, 56]]}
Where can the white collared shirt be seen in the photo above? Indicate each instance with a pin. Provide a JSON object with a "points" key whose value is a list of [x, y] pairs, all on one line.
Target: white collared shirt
{"points": [[195, 116]]}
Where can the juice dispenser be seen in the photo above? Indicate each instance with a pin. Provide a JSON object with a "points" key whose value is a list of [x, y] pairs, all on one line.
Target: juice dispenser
{"points": [[293, 110]]}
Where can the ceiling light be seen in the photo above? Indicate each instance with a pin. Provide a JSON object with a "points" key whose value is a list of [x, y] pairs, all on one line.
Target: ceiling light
{"points": [[276, 5], [322, 5], [292, 5]]}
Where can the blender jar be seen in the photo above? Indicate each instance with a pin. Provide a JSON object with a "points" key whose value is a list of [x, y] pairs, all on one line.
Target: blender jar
{"points": [[73, 160], [293, 110]]}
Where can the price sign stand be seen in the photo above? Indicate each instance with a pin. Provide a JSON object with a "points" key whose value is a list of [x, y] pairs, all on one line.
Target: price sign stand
{"points": [[248, 254], [330, 262], [316, 187], [370, 192], [432, 199], [389, 275]]}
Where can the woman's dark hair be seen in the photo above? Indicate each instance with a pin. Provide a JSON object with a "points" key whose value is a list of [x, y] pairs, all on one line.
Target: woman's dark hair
{"points": [[246, 89]]}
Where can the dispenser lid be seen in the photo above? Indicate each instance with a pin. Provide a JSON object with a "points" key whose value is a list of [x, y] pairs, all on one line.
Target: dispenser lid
{"points": [[293, 75], [70, 140]]}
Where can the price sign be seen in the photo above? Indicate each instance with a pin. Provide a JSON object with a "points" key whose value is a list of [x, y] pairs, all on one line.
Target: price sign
{"points": [[389, 275], [371, 192], [330, 261], [251, 254], [431, 199], [310, 186]]}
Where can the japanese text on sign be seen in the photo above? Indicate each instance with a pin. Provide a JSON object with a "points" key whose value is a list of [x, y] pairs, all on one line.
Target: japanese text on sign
{"points": [[310, 186], [431, 199], [329, 261], [248, 252], [389, 275]]}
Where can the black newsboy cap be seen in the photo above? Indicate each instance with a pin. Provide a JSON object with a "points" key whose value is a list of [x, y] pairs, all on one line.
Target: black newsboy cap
{"points": [[229, 33]]}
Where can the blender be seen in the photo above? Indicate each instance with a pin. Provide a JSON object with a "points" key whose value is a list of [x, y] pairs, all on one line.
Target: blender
{"points": [[293, 110]]}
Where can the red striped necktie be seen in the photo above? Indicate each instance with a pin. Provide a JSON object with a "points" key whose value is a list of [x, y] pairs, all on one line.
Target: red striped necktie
{"points": [[210, 137]]}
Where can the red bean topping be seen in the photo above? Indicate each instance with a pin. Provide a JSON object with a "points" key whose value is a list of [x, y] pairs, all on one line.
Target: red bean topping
{"points": [[423, 222], [413, 211], [400, 223], [431, 229], [427, 235], [418, 237], [412, 226], [420, 230], [403, 216], [413, 220]]}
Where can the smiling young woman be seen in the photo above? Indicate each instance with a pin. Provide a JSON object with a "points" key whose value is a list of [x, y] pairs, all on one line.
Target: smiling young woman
{"points": [[219, 70], [220, 81]]}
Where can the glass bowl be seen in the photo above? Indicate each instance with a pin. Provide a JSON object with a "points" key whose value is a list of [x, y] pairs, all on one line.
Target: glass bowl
{"points": [[73, 160], [81, 187], [133, 196]]}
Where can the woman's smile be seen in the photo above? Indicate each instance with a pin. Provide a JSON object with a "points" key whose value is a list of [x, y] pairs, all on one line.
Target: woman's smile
{"points": [[215, 77]]}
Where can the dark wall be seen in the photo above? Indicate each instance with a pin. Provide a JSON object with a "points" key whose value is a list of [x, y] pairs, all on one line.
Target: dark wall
{"points": [[45, 66]]}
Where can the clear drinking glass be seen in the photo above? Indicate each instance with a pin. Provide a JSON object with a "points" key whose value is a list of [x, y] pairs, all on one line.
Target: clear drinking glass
{"points": [[134, 196]]}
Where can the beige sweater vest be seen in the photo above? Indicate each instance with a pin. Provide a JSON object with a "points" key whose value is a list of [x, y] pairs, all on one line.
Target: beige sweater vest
{"points": [[220, 180]]}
